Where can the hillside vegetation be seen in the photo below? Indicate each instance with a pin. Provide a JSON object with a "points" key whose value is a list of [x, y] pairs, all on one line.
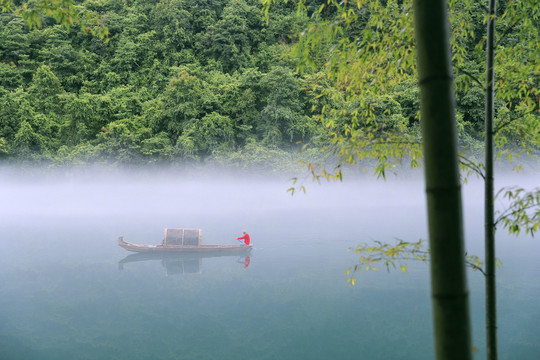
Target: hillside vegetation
{"points": [[179, 81]]}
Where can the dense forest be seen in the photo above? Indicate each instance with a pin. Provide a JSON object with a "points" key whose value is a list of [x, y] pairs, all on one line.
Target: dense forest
{"points": [[180, 81]]}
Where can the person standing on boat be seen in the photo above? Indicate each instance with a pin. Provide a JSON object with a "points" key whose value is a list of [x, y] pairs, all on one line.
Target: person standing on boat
{"points": [[245, 238]]}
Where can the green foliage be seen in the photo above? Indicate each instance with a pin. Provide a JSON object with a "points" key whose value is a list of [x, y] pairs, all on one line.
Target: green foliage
{"points": [[120, 141], [281, 119], [397, 256], [4, 148], [366, 50], [231, 39], [28, 143], [391, 256], [522, 211], [45, 90], [210, 79], [171, 81], [64, 12]]}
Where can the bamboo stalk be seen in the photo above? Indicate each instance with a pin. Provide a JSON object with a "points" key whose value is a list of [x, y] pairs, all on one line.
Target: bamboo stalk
{"points": [[489, 211], [448, 278]]}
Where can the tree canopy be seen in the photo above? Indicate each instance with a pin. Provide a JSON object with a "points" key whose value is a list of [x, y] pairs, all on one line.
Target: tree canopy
{"points": [[185, 80]]}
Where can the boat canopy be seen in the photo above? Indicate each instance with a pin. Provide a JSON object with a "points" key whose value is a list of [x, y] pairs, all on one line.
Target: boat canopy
{"points": [[182, 237]]}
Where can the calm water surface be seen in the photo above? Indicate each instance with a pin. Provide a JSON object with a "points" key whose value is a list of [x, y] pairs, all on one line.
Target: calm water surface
{"points": [[67, 291]]}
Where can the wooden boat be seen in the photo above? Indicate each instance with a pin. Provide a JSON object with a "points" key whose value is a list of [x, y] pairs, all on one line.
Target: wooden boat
{"points": [[182, 241], [181, 249]]}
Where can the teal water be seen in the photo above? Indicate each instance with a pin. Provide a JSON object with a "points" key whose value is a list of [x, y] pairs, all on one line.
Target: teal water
{"points": [[69, 292]]}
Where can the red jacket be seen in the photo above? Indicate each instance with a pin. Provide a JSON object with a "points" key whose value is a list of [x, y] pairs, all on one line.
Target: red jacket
{"points": [[245, 238]]}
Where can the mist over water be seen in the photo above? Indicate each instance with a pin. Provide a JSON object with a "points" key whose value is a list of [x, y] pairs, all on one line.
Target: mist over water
{"points": [[68, 290]]}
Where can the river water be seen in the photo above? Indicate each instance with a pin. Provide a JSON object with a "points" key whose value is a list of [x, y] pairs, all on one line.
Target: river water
{"points": [[67, 291]]}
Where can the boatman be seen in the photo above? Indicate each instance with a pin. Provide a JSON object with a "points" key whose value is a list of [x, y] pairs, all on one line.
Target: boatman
{"points": [[245, 238]]}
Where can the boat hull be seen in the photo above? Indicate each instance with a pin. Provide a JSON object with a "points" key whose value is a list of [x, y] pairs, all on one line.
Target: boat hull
{"points": [[182, 249]]}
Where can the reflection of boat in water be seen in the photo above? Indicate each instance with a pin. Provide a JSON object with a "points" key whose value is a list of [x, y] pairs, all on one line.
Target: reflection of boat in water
{"points": [[178, 263], [173, 263], [182, 241]]}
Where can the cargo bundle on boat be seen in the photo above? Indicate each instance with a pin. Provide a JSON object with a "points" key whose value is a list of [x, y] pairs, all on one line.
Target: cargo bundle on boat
{"points": [[181, 240]]}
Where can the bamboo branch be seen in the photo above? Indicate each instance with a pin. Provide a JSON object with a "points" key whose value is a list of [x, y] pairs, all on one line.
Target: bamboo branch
{"points": [[507, 214], [502, 125], [471, 165], [474, 78]]}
